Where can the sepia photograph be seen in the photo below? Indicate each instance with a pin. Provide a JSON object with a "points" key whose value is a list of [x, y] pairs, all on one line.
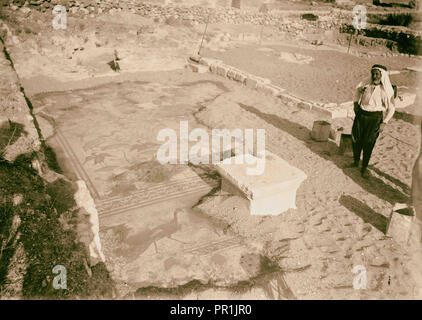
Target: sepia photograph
{"points": [[232, 151]]}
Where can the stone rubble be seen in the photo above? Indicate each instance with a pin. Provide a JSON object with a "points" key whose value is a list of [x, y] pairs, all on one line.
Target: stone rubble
{"points": [[194, 14], [292, 23]]}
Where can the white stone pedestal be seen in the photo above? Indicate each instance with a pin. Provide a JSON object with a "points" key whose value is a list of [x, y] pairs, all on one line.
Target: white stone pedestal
{"points": [[270, 193], [400, 223]]}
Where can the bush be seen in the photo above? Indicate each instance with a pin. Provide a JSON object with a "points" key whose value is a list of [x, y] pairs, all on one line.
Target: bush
{"points": [[9, 133], [45, 210], [309, 16], [402, 19]]}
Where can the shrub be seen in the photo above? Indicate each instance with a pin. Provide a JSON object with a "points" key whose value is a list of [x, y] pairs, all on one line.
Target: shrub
{"points": [[309, 16], [402, 19]]}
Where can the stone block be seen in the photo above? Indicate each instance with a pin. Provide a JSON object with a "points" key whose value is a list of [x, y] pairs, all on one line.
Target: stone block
{"points": [[213, 68], [240, 77], [251, 82], [276, 204], [321, 130], [321, 110], [336, 132], [330, 105], [289, 100], [208, 62], [198, 68], [304, 105], [335, 110], [4, 123], [195, 58], [273, 90], [345, 144], [333, 134], [268, 89], [400, 223], [222, 71], [348, 106], [270, 193], [338, 113], [260, 87], [205, 62], [231, 74], [331, 110]]}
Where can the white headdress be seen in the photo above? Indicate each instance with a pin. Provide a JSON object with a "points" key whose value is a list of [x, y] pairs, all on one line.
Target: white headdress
{"points": [[386, 84]]}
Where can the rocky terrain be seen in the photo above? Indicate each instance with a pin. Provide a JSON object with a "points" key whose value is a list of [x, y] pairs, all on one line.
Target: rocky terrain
{"points": [[86, 103]]}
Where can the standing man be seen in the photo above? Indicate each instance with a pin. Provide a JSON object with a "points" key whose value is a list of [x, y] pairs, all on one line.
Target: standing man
{"points": [[374, 107]]}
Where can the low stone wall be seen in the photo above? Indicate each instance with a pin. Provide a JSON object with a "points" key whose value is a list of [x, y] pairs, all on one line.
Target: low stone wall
{"points": [[405, 40], [263, 85], [197, 13]]}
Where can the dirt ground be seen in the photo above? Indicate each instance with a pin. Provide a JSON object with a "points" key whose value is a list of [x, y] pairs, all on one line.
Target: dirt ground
{"points": [[170, 231], [317, 74]]}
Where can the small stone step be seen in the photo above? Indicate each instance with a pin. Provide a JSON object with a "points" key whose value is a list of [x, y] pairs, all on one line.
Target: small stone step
{"points": [[198, 68], [321, 130], [345, 144], [400, 222], [195, 58]]}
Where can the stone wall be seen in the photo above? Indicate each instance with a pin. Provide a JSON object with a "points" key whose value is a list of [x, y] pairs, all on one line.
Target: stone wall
{"points": [[187, 3], [405, 40], [221, 12]]}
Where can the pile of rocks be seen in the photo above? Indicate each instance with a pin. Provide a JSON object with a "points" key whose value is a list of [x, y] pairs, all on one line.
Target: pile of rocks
{"points": [[198, 14]]}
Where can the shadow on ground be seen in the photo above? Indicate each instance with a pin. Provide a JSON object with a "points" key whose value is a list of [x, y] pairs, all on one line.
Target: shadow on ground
{"points": [[9, 133], [269, 278], [408, 117], [364, 212]]}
